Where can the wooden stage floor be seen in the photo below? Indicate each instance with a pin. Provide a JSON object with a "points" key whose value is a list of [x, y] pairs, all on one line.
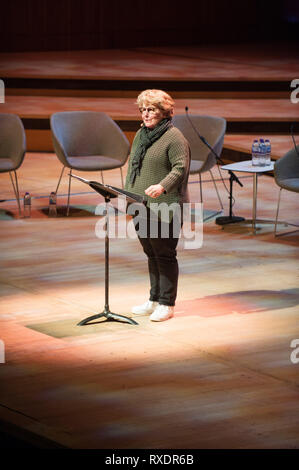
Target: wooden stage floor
{"points": [[217, 375], [231, 62]]}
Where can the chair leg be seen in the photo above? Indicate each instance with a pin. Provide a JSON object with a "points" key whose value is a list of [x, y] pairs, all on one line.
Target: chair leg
{"points": [[59, 179], [102, 177], [284, 222], [275, 229], [68, 195], [200, 187], [122, 177], [16, 190], [219, 199]]}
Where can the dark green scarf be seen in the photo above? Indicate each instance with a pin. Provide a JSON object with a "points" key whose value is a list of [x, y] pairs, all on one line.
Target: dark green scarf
{"points": [[147, 138]]}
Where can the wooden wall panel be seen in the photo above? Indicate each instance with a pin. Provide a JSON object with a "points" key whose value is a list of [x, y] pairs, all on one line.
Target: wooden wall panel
{"points": [[40, 25]]}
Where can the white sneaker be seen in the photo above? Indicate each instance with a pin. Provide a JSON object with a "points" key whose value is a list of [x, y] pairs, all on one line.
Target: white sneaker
{"points": [[145, 309], [162, 313]]}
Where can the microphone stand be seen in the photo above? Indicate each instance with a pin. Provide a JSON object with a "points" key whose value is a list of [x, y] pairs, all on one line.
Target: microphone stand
{"points": [[225, 219], [293, 138]]}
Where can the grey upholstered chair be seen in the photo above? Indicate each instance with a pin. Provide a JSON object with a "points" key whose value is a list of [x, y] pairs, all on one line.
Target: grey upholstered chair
{"points": [[88, 141], [286, 173], [213, 130], [12, 148]]}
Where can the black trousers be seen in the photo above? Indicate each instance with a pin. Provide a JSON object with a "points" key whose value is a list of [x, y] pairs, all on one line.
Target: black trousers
{"points": [[162, 262]]}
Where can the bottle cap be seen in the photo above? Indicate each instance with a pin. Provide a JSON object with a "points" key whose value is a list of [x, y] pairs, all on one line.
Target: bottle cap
{"points": [[27, 199]]}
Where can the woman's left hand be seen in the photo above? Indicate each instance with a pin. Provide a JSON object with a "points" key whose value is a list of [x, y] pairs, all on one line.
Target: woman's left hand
{"points": [[155, 190]]}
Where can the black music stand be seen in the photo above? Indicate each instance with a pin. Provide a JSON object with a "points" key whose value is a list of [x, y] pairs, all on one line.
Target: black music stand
{"points": [[109, 192]]}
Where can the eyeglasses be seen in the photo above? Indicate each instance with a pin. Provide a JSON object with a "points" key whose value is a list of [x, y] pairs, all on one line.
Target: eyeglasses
{"points": [[150, 110]]}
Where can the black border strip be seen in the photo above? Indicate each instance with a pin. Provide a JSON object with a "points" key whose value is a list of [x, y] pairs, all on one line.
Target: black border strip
{"points": [[233, 127], [132, 85]]}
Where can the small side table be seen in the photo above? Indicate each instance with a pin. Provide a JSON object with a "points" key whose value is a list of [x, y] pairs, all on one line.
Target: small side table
{"points": [[247, 167]]}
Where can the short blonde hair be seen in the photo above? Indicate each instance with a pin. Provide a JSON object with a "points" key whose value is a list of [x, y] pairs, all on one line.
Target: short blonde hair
{"points": [[158, 98]]}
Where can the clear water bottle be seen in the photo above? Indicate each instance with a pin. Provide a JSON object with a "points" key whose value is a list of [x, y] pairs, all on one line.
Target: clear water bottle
{"points": [[52, 205], [262, 152], [27, 205], [255, 153], [268, 152]]}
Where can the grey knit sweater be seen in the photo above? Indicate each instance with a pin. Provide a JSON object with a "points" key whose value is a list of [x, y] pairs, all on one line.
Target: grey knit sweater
{"points": [[166, 162]]}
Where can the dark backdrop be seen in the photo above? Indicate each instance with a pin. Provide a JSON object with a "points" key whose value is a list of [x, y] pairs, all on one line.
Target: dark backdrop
{"points": [[43, 25]]}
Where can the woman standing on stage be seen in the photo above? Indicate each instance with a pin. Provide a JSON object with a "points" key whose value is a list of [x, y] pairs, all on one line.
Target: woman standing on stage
{"points": [[159, 169]]}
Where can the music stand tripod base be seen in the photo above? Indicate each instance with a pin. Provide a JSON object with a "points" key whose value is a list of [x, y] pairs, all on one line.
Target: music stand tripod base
{"points": [[229, 220], [109, 317]]}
